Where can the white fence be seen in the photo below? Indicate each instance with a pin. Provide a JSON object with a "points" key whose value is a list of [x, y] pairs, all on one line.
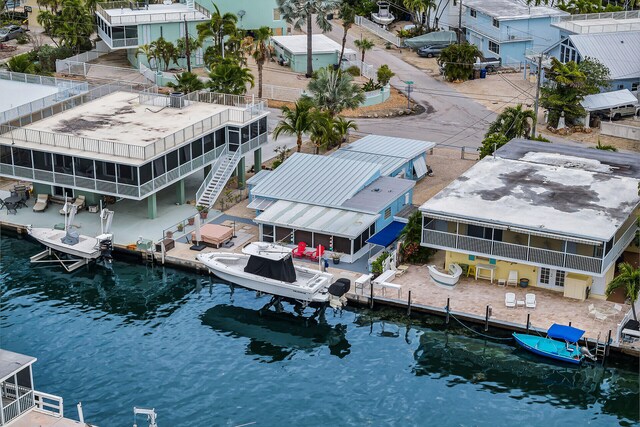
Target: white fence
{"points": [[378, 31], [621, 131], [278, 93], [366, 70]]}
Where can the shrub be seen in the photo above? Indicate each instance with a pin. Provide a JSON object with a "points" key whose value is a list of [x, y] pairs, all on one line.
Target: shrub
{"points": [[540, 138], [353, 70], [47, 56], [377, 265], [371, 85], [384, 75], [23, 39]]}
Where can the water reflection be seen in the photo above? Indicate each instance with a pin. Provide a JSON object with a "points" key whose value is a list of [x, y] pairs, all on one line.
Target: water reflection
{"points": [[502, 368], [276, 336]]}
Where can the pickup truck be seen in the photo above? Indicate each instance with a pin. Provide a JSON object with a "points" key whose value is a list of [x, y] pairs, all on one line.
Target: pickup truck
{"points": [[490, 64]]}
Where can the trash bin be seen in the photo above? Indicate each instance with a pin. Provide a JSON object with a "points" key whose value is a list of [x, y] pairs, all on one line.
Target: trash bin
{"points": [[524, 283], [483, 73], [476, 74]]}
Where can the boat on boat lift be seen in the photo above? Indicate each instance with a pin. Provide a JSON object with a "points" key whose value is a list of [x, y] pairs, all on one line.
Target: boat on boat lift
{"points": [[384, 16], [268, 268], [73, 250]]}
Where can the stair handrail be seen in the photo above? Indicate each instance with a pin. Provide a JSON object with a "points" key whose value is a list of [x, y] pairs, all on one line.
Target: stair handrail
{"points": [[233, 161], [209, 176]]}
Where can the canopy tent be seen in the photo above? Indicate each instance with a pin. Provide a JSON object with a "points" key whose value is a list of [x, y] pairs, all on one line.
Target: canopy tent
{"points": [[607, 100], [431, 38], [567, 333], [387, 235]]}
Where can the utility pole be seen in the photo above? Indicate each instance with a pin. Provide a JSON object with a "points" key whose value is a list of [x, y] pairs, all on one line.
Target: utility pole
{"points": [[535, 108], [186, 43], [460, 23]]}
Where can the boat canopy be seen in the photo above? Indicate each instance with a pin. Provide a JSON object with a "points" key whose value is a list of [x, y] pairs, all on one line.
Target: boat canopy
{"points": [[281, 269], [567, 333], [435, 37]]}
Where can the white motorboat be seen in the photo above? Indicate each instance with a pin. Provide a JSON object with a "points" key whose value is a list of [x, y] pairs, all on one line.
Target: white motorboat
{"points": [[449, 279], [269, 268], [384, 16], [78, 249]]}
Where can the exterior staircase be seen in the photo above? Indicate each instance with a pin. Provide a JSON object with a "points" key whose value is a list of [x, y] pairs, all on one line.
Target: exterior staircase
{"points": [[217, 178]]}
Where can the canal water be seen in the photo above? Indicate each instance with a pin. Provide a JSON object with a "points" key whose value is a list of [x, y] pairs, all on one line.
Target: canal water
{"points": [[201, 355]]}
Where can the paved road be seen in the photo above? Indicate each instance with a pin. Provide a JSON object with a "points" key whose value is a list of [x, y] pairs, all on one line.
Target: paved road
{"points": [[450, 120]]}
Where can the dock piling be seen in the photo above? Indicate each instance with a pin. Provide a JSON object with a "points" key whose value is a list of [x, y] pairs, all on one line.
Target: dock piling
{"points": [[486, 319], [448, 307], [371, 299], [409, 304], [528, 321]]}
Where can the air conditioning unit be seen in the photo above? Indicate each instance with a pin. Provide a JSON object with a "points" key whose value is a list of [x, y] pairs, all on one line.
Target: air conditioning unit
{"points": [[512, 37]]}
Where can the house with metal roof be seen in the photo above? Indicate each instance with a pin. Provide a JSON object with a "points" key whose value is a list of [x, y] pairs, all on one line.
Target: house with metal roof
{"points": [[559, 216], [507, 29], [293, 50], [618, 51], [335, 202]]}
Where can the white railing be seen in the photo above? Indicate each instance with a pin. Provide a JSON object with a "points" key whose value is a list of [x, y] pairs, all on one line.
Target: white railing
{"points": [[378, 30], [121, 16], [366, 70], [224, 175], [279, 93], [49, 403], [567, 22], [19, 406], [496, 34], [625, 319], [214, 168], [620, 245]]}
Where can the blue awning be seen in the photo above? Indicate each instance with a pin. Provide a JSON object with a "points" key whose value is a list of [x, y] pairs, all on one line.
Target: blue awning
{"points": [[567, 333], [387, 235]]}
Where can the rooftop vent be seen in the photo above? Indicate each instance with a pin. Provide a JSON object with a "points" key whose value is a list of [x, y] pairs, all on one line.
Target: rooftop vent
{"points": [[376, 190]]}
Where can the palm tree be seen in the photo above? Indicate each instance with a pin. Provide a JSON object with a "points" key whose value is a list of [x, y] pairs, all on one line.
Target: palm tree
{"points": [[322, 132], [295, 121], [260, 52], [363, 46], [181, 46], [419, 8], [186, 82], [229, 77], [334, 91], [512, 123], [164, 51], [21, 64], [149, 52], [342, 127], [458, 60], [74, 26], [300, 13], [218, 27], [629, 279], [348, 17]]}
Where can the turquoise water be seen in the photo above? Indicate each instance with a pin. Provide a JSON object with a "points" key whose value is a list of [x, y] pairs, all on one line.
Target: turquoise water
{"points": [[201, 355]]}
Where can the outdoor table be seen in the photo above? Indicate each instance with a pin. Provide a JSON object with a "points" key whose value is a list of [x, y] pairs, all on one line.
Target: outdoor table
{"points": [[15, 201], [491, 268]]}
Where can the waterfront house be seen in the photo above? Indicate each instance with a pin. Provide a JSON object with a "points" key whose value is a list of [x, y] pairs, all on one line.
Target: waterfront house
{"points": [[507, 29], [133, 145], [560, 216], [342, 200], [293, 51], [252, 14]]}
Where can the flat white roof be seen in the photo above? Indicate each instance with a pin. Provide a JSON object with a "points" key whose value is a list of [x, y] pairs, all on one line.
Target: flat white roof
{"points": [[153, 13], [606, 100], [511, 9], [550, 192], [11, 362], [318, 219], [297, 45], [16, 93]]}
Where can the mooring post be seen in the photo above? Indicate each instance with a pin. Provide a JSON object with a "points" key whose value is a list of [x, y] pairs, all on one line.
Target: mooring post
{"points": [[462, 153], [606, 348], [528, 321], [569, 323], [409, 304], [486, 319], [447, 319], [371, 299]]}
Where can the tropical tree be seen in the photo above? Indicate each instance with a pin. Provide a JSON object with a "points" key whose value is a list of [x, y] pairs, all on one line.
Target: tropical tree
{"points": [[334, 91], [73, 26], [322, 131], [348, 17], [458, 60], [186, 82], [384, 75], [185, 50], [490, 144], [363, 46], [513, 122], [628, 278], [260, 52], [300, 13], [597, 74], [219, 26], [411, 236], [227, 76], [420, 8], [164, 51], [46, 20], [22, 64], [341, 127], [295, 121], [150, 54]]}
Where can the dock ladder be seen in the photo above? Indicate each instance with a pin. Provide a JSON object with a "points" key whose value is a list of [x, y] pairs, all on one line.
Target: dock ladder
{"points": [[601, 349]]}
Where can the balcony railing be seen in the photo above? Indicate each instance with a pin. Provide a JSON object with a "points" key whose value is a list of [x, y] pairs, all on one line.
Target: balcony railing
{"points": [[523, 253], [495, 34], [120, 15], [572, 22], [22, 403]]}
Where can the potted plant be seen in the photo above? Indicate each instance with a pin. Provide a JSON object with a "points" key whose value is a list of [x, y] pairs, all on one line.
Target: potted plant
{"points": [[180, 227], [203, 211], [336, 257], [169, 234], [191, 220]]}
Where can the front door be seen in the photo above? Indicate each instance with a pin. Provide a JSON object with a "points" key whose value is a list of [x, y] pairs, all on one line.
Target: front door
{"points": [[551, 278]]}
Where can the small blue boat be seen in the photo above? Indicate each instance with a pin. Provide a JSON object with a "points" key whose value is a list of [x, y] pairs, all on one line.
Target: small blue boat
{"points": [[566, 350]]}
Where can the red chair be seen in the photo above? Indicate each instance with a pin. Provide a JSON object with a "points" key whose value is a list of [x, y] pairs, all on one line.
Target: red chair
{"points": [[300, 250], [317, 253]]}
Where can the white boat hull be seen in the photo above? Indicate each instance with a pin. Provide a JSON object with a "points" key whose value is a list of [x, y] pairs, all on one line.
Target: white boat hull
{"points": [[382, 20], [311, 286], [444, 279], [87, 247]]}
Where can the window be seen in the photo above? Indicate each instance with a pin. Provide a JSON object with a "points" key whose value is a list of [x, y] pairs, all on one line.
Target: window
{"points": [[105, 171], [263, 125], [84, 167], [185, 154], [341, 244], [145, 173], [234, 139], [560, 278], [221, 137], [494, 47], [62, 164], [209, 144], [267, 233], [276, 14], [472, 12], [245, 134], [172, 160], [158, 167], [544, 275], [22, 157], [620, 87], [406, 198], [127, 175], [42, 161], [283, 234], [254, 129], [5, 154], [387, 213], [634, 87], [196, 148], [496, 23]]}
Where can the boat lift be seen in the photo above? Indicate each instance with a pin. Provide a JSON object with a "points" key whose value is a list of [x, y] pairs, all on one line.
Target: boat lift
{"points": [[150, 413]]}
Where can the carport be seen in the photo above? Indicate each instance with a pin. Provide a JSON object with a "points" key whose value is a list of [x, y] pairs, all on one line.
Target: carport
{"points": [[607, 101]]}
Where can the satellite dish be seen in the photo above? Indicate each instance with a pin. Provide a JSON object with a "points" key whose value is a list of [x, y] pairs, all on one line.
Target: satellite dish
{"points": [[241, 13]]}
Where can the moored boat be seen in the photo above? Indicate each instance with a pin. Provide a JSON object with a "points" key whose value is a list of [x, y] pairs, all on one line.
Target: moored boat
{"points": [[269, 268], [561, 343], [449, 279], [384, 16]]}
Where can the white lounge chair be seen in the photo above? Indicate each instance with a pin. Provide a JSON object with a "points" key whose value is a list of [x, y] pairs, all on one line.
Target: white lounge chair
{"points": [[592, 310], [513, 278], [510, 299], [600, 316], [78, 203], [530, 300], [617, 309], [41, 203]]}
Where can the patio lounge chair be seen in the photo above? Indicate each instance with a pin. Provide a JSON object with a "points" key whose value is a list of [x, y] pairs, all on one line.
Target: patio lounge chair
{"points": [[600, 316], [315, 254], [513, 278], [41, 203], [299, 251], [510, 300], [617, 309], [78, 203], [530, 300]]}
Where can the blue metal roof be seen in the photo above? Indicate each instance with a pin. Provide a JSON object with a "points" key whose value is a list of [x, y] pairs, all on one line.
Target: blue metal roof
{"points": [[567, 333], [387, 235]]}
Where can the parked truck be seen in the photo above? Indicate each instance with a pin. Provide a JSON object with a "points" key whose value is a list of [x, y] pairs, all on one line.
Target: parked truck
{"points": [[490, 64]]}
